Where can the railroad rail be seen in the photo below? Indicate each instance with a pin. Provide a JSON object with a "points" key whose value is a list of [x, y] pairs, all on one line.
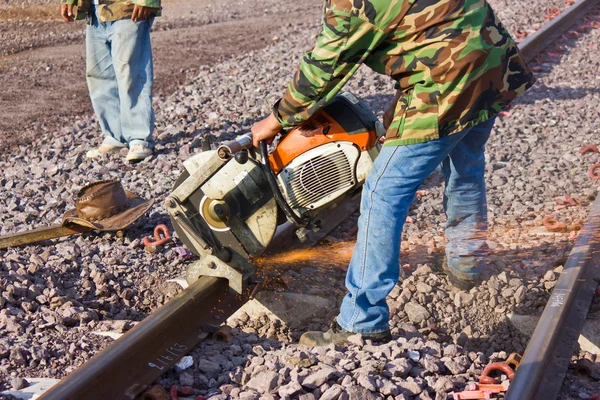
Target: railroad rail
{"points": [[548, 355], [131, 363]]}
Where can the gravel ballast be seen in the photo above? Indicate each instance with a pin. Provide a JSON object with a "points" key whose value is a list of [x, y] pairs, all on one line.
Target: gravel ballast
{"points": [[53, 296]]}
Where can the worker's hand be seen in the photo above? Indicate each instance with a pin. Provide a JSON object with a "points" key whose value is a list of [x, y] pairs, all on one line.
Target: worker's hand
{"points": [[141, 13], [66, 12], [265, 129]]}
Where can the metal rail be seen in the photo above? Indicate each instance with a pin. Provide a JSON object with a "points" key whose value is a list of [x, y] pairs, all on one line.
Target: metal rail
{"points": [[39, 234], [551, 31], [548, 354], [130, 364]]}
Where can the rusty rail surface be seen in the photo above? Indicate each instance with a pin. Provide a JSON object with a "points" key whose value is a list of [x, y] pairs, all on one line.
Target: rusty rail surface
{"points": [[127, 366], [548, 354], [549, 351], [554, 29]]}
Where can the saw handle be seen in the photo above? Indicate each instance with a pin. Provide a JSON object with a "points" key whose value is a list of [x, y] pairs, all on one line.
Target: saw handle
{"points": [[230, 147], [289, 213]]}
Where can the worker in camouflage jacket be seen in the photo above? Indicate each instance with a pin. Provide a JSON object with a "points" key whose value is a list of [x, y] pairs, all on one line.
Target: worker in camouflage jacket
{"points": [[455, 67], [119, 71]]}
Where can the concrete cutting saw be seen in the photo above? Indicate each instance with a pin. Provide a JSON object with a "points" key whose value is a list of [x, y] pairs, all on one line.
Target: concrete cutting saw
{"points": [[228, 203]]}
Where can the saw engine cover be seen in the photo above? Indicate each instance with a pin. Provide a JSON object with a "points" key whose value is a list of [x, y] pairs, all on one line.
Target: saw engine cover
{"points": [[328, 156], [239, 206]]}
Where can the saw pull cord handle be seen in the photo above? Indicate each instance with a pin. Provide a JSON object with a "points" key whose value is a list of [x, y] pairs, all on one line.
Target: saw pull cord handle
{"points": [[289, 213]]}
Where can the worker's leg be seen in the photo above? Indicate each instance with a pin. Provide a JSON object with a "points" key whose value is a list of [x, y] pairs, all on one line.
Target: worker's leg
{"points": [[102, 82], [388, 192], [132, 58], [465, 204]]}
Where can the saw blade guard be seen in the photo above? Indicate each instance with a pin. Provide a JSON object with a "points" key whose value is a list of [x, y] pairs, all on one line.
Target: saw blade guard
{"points": [[233, 209]]}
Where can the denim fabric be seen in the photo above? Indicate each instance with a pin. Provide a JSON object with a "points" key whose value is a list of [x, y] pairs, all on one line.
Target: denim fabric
{"points": [[120, 79], [387, 194]]}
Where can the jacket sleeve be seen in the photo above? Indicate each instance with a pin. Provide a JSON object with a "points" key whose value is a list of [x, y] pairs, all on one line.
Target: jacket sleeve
{"points": [[342, 46], [147, 3]]}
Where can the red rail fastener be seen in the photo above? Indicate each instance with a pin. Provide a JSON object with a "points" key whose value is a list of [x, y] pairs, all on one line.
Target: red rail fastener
{"points": [[176, 391], [589, 148], [158, 240], [471, 394], [513, 361], [520, 34], [155, 393], [223, 334], [493, 389], [552, 225], [593, 175], [567, 202], [572, 34], [497, 366]]}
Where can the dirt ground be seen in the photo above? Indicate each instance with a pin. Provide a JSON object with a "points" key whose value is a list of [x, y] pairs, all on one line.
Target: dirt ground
{"points": [[42, 58]]}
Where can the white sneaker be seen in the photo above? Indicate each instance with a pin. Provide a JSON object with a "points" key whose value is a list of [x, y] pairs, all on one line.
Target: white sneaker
{"points": [[138, 152], [104, 148]]}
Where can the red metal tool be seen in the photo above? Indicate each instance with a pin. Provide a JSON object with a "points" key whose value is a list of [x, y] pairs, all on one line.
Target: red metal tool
{"points": [[177, 391], [471, 394], [497, 366], [158, 239], [593, 175], [553, 225], [589, 148], [567, 202]]}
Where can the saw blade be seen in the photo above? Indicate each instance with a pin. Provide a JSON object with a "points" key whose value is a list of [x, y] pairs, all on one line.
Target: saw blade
{"points": [[215, 213]]}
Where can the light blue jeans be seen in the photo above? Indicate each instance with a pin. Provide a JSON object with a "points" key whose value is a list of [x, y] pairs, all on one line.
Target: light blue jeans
{"points": [[120, 78], [387, 194]]}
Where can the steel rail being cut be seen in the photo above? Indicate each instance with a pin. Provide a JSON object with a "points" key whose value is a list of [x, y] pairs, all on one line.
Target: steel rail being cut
{"points": [[548, 354], [130, 364], [127, 366]]}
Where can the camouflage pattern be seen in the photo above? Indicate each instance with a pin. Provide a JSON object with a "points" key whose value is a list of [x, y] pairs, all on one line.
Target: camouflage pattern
{"points": [[112, 10], [455, 63]]}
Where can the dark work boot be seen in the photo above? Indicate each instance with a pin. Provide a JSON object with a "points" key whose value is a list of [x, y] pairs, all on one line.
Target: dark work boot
{"points": [[339, 336], [459, 283]]}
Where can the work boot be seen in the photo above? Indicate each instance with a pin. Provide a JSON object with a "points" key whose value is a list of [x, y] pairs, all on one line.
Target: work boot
{"points": [[104, 148], [459, 283], [339, 336], [138, 152]]}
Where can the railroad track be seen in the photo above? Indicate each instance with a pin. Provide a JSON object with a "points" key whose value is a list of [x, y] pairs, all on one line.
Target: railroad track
{"points": [[126, 368]]}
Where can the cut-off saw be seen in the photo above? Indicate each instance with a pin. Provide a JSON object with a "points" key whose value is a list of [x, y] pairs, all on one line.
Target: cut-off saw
{"points": [[228, 203]]}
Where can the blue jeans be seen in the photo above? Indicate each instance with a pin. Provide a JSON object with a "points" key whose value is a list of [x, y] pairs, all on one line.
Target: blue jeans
{"points": [[120, 78], [387, 194]]}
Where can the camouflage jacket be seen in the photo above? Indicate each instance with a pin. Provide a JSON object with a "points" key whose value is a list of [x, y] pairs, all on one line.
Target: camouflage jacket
{"points": [[455, 63], [112, 10]]}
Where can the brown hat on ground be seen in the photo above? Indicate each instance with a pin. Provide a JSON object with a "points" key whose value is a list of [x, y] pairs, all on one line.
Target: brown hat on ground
{"points": [[106, 206]]}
